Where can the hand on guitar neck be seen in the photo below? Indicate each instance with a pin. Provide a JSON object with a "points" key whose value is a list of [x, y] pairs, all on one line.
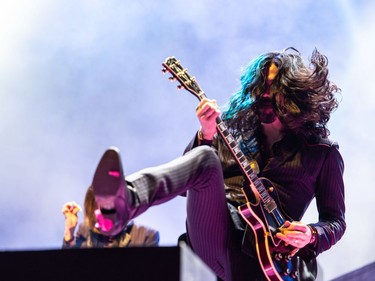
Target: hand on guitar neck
{"points": [[207, 111], [296, 234]]}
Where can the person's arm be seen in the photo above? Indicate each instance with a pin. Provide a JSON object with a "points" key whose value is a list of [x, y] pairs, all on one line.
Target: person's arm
{"points": [[143, 236], [330, 200], [320, 236], [152, 238], [70, 210], [207, 111]]}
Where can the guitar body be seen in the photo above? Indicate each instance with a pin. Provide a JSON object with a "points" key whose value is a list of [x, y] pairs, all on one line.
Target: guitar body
{"points": [[278, 261]]}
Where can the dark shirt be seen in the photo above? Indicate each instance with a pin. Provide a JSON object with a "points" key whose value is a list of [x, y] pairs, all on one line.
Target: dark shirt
{"points": [[133, 235], [299, 172]]}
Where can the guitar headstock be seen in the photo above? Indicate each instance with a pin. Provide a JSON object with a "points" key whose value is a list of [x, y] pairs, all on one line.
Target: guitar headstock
{"points": [[173, 66]]}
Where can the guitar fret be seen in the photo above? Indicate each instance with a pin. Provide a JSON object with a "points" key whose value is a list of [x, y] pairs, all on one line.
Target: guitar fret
{"points": [[264, 193], [266, 196], [222, 127], [243, 159], [260, 186], [250, 172], [237, 150], [224, 130], [233, 144]]}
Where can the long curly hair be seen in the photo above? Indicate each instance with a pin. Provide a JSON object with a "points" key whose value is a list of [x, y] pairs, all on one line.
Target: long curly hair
{"points": [[89, 208], [302, 95]]}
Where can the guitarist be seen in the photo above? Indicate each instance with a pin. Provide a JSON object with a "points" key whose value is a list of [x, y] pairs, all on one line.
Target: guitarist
{"points": [[279, 118]]}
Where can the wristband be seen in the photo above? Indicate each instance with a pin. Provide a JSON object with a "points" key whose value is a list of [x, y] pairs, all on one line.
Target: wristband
{"points": [[200, 135], [201, 140], [314, 235]]}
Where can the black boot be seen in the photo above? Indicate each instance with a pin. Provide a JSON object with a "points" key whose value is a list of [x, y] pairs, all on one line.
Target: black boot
{"points": [[111, 194]]}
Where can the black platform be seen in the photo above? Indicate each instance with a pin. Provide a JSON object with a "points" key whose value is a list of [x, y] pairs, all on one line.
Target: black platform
{"points": [[130, 264]]}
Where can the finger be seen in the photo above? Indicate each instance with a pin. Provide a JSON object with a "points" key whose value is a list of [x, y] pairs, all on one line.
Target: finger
{"points": [[205, 109], [294, 238], [210, 116], [299, 227], [293, 241], [76, 210], [66, 206], [202, 103], [71, 207], [286, 224], [280, 236], [65, 209], [206, 102], [292, 233], [74, 205]]}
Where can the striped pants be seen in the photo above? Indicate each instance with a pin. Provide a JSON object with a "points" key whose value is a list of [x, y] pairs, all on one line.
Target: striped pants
{"points": [[198, 173], [210, 229]]}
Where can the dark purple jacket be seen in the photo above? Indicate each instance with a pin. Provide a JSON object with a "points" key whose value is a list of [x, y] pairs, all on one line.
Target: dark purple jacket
{"points": [[299, 172]]}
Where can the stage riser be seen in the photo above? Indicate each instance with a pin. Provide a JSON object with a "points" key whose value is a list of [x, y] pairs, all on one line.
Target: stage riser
{"points": [[151, 264]]}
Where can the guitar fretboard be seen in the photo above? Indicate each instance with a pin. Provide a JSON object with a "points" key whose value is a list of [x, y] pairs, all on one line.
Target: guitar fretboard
{"points": [[245, 166], [269, 203]]}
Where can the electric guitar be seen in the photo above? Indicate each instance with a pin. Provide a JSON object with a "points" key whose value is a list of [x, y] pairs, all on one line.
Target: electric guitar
{"points": [[279, 262]]}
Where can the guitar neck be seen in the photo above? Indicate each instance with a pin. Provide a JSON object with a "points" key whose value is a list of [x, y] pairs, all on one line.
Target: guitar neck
{"points": [[269, 203]]}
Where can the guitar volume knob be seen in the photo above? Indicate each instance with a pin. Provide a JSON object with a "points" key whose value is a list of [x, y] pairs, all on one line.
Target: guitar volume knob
{"points": [[286, 272], [288, 258], [278, 256]]}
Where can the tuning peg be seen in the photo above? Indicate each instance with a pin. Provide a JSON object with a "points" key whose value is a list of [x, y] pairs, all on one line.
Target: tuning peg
{"points": [[172, 78], [164, 70], [180, 87]]}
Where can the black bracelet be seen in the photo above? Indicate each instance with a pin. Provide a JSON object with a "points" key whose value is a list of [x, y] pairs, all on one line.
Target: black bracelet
{"points": [[201, 140], [314, 235]]}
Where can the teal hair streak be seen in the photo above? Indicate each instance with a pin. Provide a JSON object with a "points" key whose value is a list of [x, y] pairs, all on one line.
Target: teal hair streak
{"points": [[242, 100], [236, 111]]}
